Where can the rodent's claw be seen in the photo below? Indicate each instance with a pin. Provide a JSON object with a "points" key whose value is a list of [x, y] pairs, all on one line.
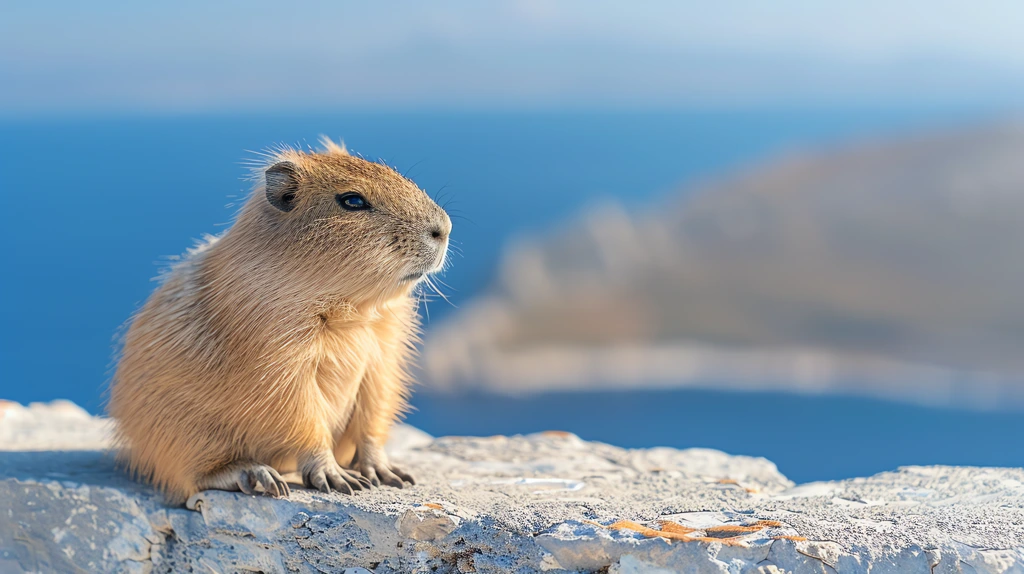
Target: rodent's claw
{"points": [[329, 476], [382, 474], [389, 478], [246, 477], [362, 480], [405, 476], [256, 475]]}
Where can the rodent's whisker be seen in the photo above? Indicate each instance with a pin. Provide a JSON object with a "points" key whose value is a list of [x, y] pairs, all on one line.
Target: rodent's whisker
{"points": [[464, 218], [437, 194], [430, 281], [405, 174], [447, 286]]}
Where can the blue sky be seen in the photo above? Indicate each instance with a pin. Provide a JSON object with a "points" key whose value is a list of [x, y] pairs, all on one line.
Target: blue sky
{"points": [[72, 57]]}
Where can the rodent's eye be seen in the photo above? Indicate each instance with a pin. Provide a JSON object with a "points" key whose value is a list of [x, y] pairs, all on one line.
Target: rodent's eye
{"points": [[352, 201]]}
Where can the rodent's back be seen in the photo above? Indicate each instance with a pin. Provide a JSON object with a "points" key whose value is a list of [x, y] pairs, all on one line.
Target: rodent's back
{"points": [[155, 386]]}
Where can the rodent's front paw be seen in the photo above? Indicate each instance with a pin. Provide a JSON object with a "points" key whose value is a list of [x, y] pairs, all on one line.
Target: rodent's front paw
{"points": [[246, 477], [327, 475], [385, 473], [262, 475]]}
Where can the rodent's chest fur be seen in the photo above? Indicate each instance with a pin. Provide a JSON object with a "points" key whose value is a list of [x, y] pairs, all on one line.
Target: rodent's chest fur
{"points": [[314, 355], [346, 349], [343, 350]]}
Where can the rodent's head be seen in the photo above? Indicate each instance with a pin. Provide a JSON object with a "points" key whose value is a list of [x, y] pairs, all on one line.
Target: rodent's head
{"points": [[346, 225]]}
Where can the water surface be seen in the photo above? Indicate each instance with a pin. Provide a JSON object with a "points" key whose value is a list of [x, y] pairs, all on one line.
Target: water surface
{"points": [[92, 208], [808, 437]]}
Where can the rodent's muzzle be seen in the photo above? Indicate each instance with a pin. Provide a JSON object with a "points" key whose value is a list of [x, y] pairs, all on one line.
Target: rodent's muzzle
{"points": [[439, 241], [435, 242], [439, 231]]}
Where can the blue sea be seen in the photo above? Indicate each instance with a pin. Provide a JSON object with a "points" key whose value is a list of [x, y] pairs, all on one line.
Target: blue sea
{"points": [[94, 206]]}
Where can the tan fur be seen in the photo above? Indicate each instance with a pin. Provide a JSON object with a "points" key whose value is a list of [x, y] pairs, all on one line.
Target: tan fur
{"points": [[286, 339]]}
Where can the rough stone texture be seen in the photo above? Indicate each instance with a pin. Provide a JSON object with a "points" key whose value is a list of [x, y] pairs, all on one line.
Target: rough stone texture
{"points": [[544, 502]]}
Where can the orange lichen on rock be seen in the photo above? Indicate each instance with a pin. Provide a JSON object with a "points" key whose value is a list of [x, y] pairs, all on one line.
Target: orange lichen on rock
{"points": [[759, 525], [731, 541], [669, 526], [646, 531], [793, 538], [748, 489], [685, 531], [674, 531], [734, 528], [434, 505]]}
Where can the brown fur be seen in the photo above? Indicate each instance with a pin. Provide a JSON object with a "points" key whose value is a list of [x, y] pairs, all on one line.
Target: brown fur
{"points": [[285, 340]]}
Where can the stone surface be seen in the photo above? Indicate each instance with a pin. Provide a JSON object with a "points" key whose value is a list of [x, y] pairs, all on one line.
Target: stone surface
{"points": [[544, 502]]}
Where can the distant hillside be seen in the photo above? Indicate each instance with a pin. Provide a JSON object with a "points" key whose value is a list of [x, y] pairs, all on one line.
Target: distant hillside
{"points": [[892, 268]]}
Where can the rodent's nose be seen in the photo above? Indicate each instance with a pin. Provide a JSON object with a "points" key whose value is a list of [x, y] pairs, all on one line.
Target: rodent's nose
{"points": [[440, 231]]}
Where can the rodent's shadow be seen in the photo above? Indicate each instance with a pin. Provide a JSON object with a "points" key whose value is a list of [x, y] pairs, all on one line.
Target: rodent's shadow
{"points": [[88, 467]]}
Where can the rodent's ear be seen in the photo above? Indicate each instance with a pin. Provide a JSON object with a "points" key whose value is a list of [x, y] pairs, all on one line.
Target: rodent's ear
{"points": [[282, 185]]}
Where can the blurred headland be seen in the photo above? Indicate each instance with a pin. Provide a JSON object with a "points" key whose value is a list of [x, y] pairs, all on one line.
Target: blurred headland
{"points": [[890, 268]]}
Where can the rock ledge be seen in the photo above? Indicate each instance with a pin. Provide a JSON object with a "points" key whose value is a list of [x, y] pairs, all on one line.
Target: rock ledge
{"points": [[543, 502]]}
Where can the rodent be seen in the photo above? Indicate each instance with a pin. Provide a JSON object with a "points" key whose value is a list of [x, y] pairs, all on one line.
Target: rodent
{"points": [[285, 344]]}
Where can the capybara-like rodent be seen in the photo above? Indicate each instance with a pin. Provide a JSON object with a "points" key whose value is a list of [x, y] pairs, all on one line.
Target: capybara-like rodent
{"points": [[285, 343]]}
